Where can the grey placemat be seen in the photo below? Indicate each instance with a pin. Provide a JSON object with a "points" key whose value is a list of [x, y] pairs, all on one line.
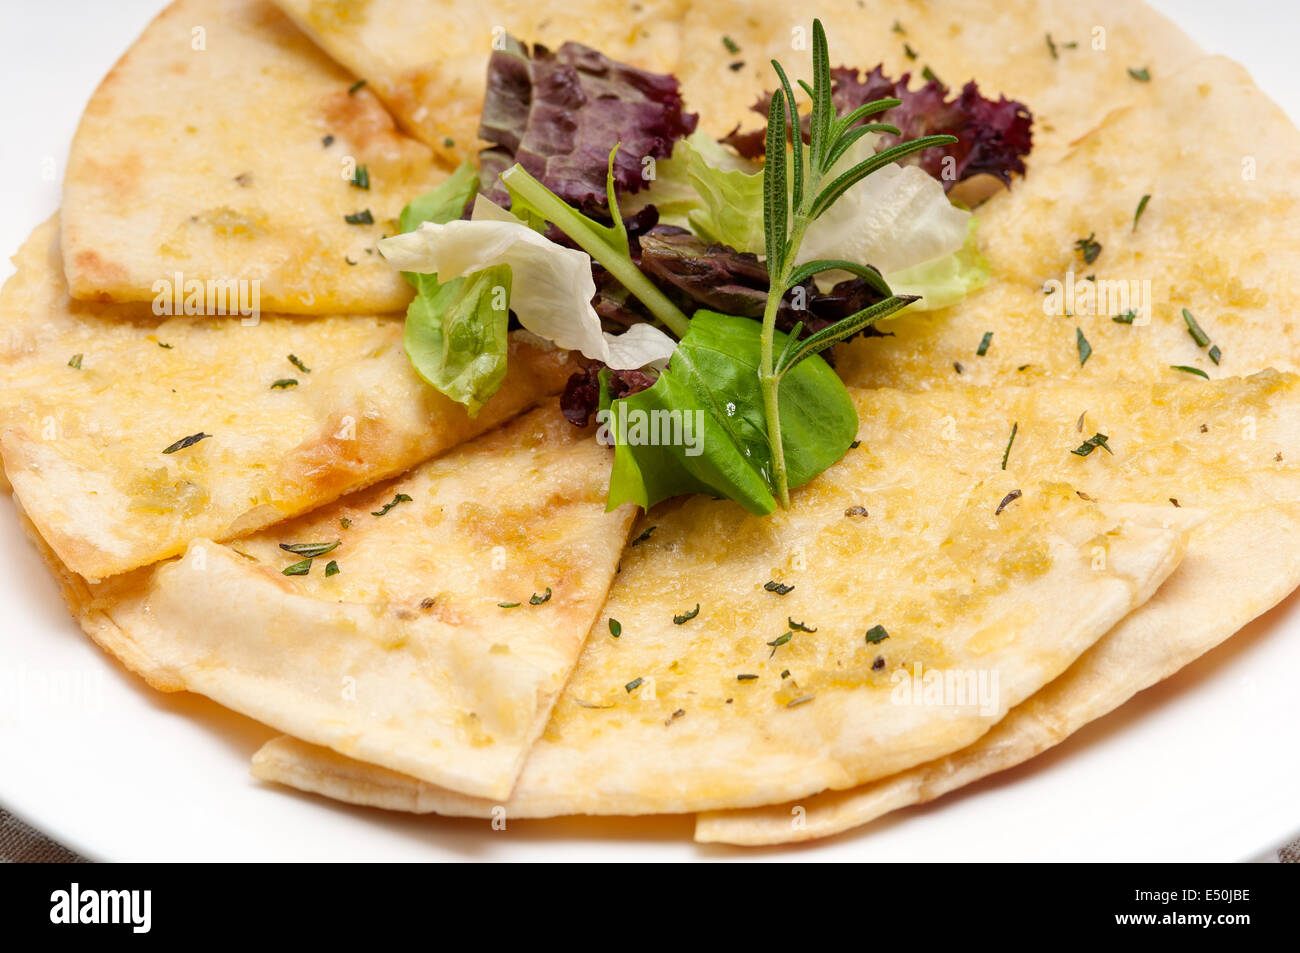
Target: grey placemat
{"points": [[20, 844]]}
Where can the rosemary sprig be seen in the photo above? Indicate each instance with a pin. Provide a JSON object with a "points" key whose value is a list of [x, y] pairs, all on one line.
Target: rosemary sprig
{"points": [[795, 194]]}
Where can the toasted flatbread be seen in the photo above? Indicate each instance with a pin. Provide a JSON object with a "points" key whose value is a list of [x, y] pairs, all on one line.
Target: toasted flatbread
{"points": [[427, 59], [433, 639], [1243, 181], [1242, 470], [1067, 60], [224, 147], [955, 595], [701, 685], [1241, 561], [93, 396]]}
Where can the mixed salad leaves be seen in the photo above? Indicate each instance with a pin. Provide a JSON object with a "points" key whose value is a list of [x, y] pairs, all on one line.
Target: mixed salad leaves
{"points": [[992, 137], [697, 277]]}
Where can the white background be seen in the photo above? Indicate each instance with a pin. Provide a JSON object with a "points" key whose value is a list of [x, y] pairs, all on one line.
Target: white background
{"points": [[1202, 766]]}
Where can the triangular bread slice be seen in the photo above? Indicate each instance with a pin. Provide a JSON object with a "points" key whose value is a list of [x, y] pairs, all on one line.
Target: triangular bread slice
{"points": [[427, 59], [707, 683], [1055, 315], [92, 397], [433, 639], [1231, 449], [224, 148]]}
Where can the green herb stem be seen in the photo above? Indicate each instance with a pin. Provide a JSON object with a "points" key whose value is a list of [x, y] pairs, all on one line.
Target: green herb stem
{"points": [[787, 213], [615, 260], [769, 379]]}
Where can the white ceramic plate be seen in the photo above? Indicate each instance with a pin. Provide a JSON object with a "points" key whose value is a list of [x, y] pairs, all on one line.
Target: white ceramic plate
{"points": [[1202, 766]]}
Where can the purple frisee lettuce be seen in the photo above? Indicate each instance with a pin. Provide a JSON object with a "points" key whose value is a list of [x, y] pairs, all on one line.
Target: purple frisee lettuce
{"points": [[558, 114], [993, 136]]}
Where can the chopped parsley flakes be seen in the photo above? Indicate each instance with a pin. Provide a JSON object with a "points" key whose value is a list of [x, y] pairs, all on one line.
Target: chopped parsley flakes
{"points": [[185, 442], [1085, 349], [399, 498], [1088, 247], [1091, 444], [686, 616], [298, 568], [310, 550], [1195, 330], [1142, 207], [1006, 454]]}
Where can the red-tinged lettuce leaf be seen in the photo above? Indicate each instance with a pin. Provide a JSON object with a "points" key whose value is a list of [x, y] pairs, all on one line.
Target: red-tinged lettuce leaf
{"points": [[581, 397], [993, 137], [697, 275], [705, 275], [558, 114]]}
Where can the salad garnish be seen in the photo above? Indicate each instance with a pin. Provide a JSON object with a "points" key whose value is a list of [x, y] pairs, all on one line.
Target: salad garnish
{"points": [[703, 282], [993, 136]]}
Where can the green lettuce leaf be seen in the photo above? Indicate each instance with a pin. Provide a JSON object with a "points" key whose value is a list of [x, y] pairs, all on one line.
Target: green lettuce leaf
{"points": [[944, 281], [444, 203], [701, 429], [719, 196], [716, 194], [535, 205], [455, 334]]}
